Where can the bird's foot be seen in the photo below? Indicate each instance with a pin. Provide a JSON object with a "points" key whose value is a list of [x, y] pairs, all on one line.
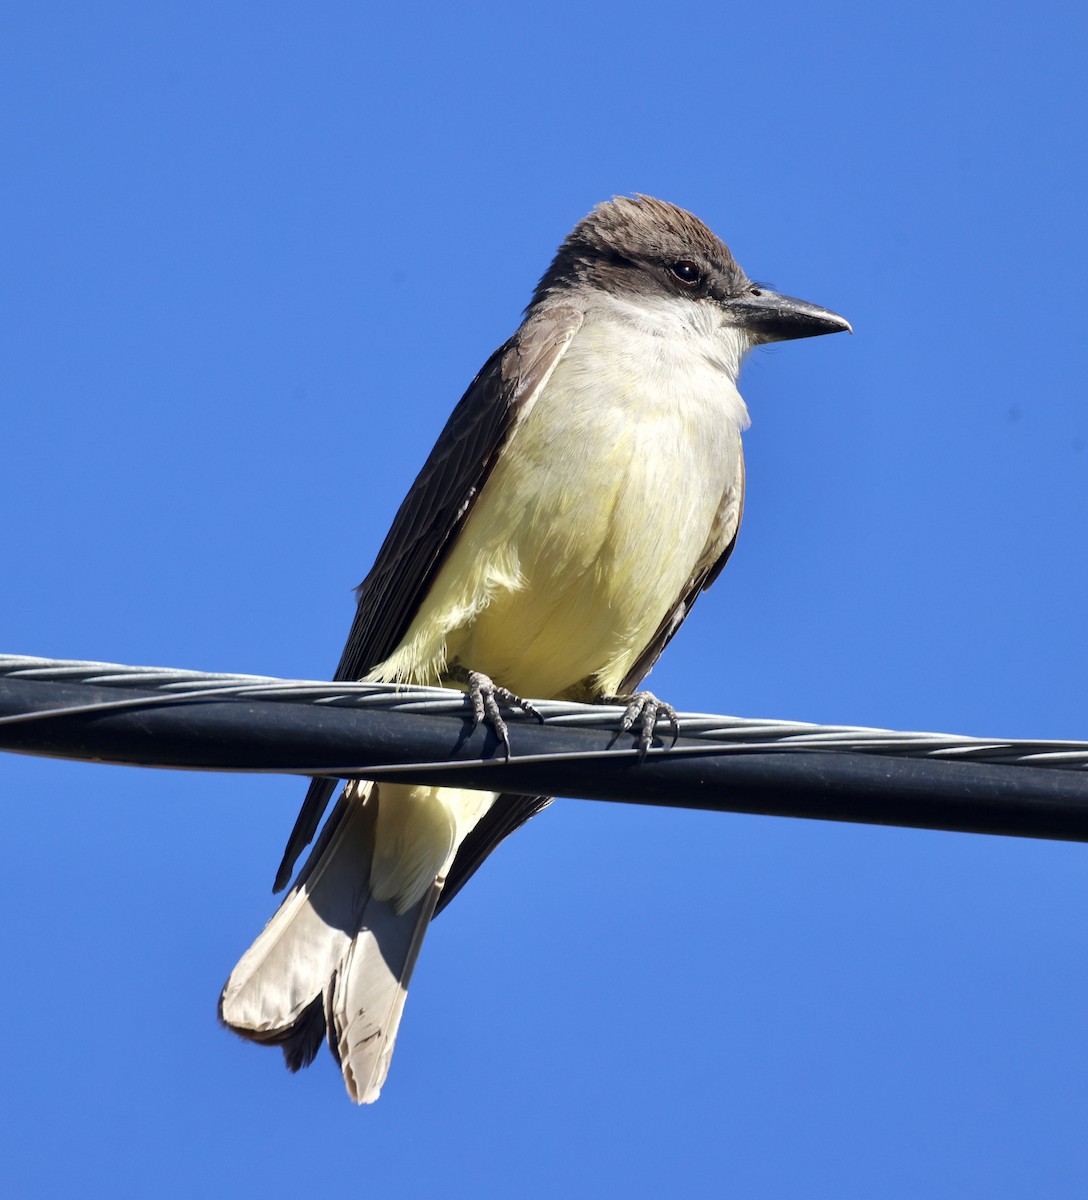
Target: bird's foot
{"points": [[485, 696], [643, 712]]}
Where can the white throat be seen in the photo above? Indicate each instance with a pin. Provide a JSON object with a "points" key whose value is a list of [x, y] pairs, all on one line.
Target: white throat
{"points": [[676, 344]]}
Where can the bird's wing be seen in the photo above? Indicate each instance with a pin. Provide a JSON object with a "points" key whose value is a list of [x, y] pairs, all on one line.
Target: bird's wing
{"points": [[434, 511], [509, 812]]}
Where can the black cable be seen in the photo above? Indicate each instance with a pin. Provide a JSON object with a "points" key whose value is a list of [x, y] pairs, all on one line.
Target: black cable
{"points": [[208, 730]]}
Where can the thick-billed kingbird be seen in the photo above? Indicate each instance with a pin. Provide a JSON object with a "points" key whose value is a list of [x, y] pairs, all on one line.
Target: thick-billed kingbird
{"points": [[586, 489]]}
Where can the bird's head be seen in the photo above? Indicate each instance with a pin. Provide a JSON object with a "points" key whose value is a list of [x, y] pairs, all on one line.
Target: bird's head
{"points": [[654, 255]]}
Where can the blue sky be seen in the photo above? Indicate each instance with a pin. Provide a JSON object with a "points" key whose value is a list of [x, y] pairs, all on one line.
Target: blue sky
{"points": [[250, 255]]}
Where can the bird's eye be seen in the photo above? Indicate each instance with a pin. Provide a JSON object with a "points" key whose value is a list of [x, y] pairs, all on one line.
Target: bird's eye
{"points": [[686, 271], [754, 291]]}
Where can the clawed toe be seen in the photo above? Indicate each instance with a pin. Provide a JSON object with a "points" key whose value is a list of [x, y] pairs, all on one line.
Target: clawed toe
{"points": [[643, 711], [485, 696]]}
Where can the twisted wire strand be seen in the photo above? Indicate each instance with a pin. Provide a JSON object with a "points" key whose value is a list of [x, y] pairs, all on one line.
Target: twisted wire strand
{"points": [[714, 731]]}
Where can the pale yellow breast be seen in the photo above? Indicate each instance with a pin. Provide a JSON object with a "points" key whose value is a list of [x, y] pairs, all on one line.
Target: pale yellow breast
{"points": [[589, 526]]}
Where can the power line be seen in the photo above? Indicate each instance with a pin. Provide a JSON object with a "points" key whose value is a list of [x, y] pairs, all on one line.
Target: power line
{"points": [[164, 717]]}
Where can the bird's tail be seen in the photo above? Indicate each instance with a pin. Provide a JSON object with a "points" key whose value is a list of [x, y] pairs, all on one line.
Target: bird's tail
{"points": [[336, 959]]}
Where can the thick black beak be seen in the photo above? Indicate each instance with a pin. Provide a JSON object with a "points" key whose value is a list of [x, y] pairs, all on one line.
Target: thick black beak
{"points": [[770, 317]]}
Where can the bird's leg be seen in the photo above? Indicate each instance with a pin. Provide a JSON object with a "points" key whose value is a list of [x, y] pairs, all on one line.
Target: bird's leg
{"points": [[644, 710], [485, 696]]}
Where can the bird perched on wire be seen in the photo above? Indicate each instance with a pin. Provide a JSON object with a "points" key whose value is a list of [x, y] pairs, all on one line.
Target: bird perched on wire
{"points": [[586, 489]]}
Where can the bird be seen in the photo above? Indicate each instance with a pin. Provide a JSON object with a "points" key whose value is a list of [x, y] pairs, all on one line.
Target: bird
{"points": [[586, 489]]}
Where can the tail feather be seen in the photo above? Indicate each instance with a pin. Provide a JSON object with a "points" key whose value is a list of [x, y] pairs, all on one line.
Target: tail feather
{"points": [[333, 958], [288, 965], [301, 1041], [366, 999]]}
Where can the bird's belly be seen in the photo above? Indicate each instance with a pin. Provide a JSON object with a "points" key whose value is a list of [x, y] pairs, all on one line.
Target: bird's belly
{"points": [[582, 540], [598, 568]]}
